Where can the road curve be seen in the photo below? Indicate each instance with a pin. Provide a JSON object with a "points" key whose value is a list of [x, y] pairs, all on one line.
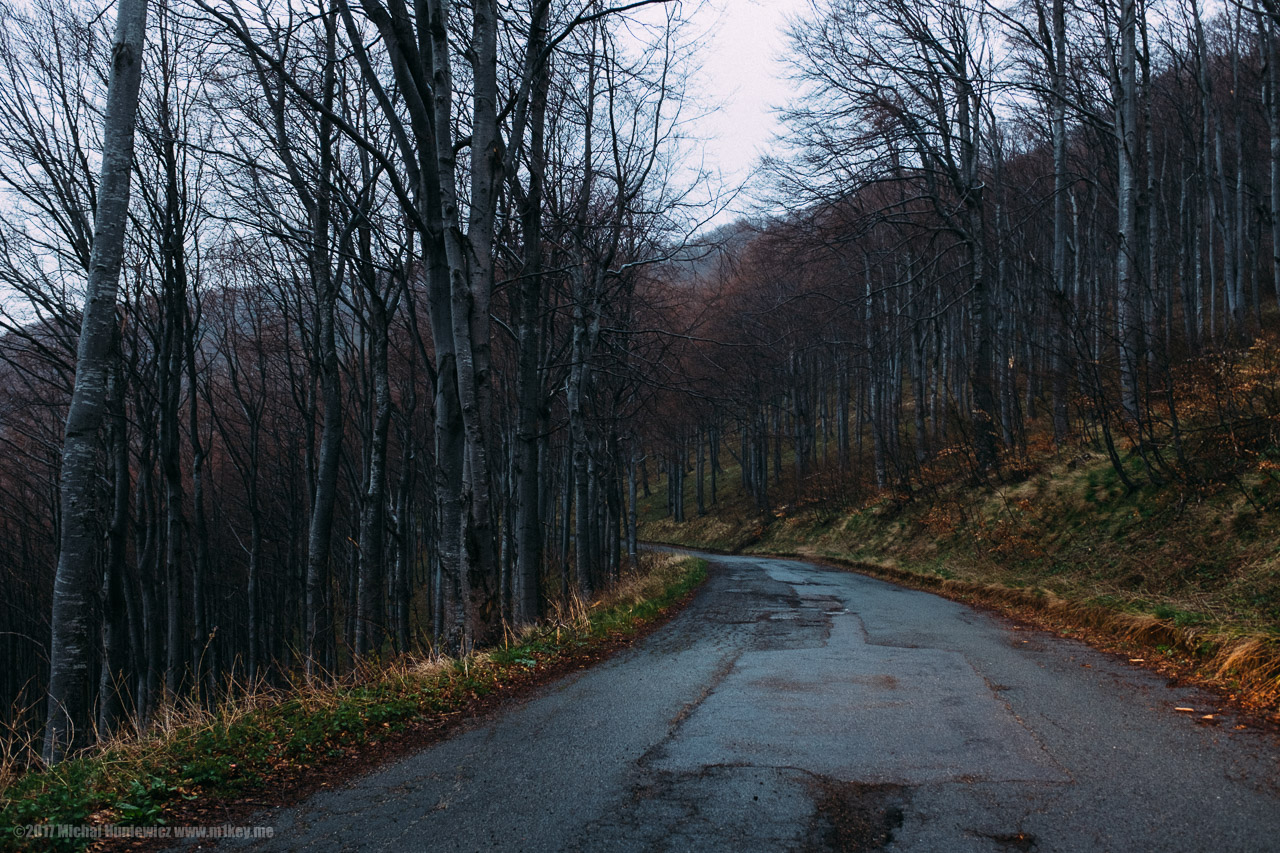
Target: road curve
{"points": [[795, 707]]}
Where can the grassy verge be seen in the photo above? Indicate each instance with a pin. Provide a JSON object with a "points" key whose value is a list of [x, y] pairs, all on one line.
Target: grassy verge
{"points": [[269, 741], [1188, 580]]}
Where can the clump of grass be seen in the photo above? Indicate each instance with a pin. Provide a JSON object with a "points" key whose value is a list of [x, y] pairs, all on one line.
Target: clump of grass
{"points": [[18, 744], [265, 736], [1254, 664], [640, 596]]}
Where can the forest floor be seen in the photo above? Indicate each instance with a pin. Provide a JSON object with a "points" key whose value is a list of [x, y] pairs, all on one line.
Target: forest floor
{"points": [[1184, 577], [278, 747]]}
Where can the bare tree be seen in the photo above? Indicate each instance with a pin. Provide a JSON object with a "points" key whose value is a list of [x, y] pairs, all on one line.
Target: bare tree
{"points": [[74, 587]]}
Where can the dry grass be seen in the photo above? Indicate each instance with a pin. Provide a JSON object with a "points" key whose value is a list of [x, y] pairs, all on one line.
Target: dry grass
{"points": [[657, 572], [1253, 663], [18, 745], [725, 531]]}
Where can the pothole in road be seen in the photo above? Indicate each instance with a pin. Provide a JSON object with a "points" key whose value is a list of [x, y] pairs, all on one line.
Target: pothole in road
{"points": [[825, 603], [790, 631], [854, 816]]}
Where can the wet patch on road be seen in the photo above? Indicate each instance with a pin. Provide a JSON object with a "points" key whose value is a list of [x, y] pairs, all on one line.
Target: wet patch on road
{"points": [[722, 807], [853, 817]]}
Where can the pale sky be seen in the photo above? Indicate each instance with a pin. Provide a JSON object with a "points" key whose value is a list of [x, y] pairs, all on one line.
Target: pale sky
{"points": [[741, 70]]}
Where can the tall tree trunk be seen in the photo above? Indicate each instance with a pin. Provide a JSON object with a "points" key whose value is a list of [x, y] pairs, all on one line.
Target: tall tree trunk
{"points": [[484, 605], [373, 521], [969, 118], [1271, 38], [1127, 274], [700, 472], [113, 684], [1059, 308], [529, 442], [470, 277], [71, 648], [319, 538], [633, 509]]}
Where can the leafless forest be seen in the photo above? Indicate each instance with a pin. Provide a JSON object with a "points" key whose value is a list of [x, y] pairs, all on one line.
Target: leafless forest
{"points": [[339, 331]]}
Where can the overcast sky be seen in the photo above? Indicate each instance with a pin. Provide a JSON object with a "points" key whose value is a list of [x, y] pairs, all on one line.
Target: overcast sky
{"points": [[741, 71]]}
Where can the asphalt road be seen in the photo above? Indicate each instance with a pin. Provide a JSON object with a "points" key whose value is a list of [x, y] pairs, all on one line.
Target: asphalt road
{"points": [[793, 707]]}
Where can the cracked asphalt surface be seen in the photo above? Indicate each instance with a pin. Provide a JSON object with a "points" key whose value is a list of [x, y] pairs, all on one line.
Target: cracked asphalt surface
{"points": [[795, 707]]}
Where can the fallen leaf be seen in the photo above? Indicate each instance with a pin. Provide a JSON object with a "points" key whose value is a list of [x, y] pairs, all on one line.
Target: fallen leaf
{"points": [[1187, 710], [1137, 660]]}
